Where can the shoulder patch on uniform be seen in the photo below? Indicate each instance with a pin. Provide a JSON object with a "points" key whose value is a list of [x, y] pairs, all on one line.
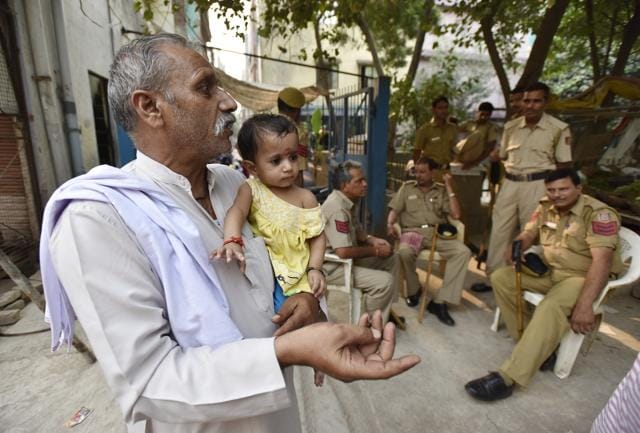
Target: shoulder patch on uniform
{"points": [[534, 216], [567, 140], [342, 226], [608, 228], [603, 216]]}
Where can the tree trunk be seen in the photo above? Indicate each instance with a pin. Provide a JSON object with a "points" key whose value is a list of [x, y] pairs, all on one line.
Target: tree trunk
{"points": [[544, 37], [324, 73], [486, 25], [371, 43], [629, 37], [593, 47], [411, 72]]}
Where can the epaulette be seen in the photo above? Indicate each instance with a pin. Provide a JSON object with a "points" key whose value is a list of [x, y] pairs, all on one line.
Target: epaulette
{"points": [[512, 123], [556, 122]]}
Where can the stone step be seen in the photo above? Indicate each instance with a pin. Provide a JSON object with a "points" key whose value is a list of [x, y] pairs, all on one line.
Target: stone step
{"points": [[9, 317], [9, 297], [16, 305]]}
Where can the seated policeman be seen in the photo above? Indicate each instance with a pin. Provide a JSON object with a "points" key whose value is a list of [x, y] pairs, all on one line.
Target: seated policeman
{"points": [[420, 205], [579, 237], [375, 272]]}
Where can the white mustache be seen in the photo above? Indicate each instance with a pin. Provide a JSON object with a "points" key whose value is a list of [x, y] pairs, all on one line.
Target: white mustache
{"points": [[224, 121]]}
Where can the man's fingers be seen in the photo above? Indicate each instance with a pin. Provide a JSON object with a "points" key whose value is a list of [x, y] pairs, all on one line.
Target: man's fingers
{"points": [[372, 370], [388, 343], [364, 320]]}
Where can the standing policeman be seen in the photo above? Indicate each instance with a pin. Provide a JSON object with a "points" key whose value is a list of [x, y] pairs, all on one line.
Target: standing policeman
{"points": [[532, 146]]}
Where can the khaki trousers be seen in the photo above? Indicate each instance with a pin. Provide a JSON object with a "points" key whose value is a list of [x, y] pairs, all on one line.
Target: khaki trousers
{"points": [[377, 277], [469, 191], [457, 256], [547, 325], [513, 208]]}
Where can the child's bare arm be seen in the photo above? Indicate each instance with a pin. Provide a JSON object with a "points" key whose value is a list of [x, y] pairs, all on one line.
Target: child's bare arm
{"points": [[316, 277], [317, 248], [233, 222]]}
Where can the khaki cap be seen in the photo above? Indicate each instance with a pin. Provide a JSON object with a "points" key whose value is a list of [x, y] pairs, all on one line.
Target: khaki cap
{"points": [[292, 97]]}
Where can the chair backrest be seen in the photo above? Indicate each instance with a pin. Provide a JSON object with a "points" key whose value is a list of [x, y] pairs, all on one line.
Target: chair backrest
{"points": [[630, 254]]}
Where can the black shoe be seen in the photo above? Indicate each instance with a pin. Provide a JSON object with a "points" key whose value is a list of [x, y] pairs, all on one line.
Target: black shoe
{"points": [[413, 300], [550, 362], [441, 311], [397, 320], [481, 287], [489, 388]]}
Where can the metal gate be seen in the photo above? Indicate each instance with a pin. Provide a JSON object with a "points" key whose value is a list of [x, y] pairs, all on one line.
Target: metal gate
{"points": [[359, 129]]}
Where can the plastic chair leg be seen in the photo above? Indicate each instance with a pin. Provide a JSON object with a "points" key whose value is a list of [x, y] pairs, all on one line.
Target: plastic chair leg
{"points": [[496, 321], [567, 354]]}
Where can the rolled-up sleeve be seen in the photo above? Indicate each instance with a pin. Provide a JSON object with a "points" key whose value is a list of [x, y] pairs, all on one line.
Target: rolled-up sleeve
{"points": [[120, 303]]}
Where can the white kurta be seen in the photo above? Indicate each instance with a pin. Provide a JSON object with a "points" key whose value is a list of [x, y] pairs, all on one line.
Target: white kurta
{"points": [[238, 387]]}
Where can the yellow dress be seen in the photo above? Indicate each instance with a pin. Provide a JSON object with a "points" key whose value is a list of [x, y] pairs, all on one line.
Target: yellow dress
{"points": [[286, 229]]}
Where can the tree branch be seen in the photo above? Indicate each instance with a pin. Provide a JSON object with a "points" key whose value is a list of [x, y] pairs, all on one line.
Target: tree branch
{"points": [[371, 43], [629, 37], [544, 37], [486, 24], [593, 47]]}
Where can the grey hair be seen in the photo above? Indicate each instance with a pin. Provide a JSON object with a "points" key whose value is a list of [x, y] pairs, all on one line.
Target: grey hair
{"points": [[341, 174], [140, 65]]}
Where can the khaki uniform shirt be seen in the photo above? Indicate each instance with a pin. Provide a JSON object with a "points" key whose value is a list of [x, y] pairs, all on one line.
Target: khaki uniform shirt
{"points": [[533, 150], [436, 142], [567, 239], [417, 208], [341, 227]]}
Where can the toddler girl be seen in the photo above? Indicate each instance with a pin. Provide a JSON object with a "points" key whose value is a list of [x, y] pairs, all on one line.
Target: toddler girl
{"points": [[286, 216]]}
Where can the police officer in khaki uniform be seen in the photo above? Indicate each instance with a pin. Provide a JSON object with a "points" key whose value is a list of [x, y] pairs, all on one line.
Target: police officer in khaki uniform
{"points": [[420, 206], [290, 102], [470, 165], [579, 236], [376, 266], [437, 138], [532, 145]]}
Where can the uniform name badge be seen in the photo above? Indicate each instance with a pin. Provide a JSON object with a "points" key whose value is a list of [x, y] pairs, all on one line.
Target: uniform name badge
{"points": [[551, 225]]}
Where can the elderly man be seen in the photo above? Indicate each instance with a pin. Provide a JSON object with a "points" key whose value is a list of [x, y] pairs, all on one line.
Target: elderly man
{"points": [[436, 138], [186, 345], [375, 270], [420, 206], [532, 146], [579, 236]]}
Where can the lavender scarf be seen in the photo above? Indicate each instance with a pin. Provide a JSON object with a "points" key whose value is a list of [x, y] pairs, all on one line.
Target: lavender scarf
{"points": [[197, 307]]}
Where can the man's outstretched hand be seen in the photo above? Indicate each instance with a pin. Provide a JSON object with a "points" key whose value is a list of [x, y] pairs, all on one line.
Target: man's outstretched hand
{"points": [[345, 352]]}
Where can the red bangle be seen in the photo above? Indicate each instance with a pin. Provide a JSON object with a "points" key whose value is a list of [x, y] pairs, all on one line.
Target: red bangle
{"points": [[234, 240]]}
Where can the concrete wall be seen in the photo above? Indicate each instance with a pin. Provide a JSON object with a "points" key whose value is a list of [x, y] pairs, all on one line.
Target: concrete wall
{"points": [[61, 42]]}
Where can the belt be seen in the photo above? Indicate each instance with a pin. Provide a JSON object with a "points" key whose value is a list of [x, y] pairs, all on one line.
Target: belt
{"points": [[423, 226], [527, 177]]}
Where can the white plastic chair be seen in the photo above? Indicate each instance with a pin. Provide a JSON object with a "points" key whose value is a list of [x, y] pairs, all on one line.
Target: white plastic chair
{"points": [[355, 294], [571, 342]]}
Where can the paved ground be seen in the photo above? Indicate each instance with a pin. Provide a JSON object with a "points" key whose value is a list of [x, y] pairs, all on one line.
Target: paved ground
{"points": [[40, 390]]}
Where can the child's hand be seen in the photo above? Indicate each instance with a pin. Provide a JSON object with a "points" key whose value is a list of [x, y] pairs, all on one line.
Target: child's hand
{"points": [[317, 282], [229, 252], [318, 378]]}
